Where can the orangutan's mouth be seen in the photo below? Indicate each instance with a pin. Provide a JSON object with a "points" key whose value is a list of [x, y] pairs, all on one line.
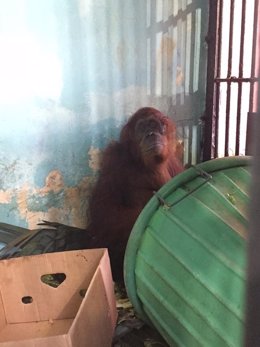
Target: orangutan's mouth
{"points": [[155, 147]]}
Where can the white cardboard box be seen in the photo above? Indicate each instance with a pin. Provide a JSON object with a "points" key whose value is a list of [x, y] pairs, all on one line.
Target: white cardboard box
{"points": [[33, 313]]}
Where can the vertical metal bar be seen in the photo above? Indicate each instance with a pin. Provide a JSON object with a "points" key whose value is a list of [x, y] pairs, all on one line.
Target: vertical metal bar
{"points": [[192, 50], [256, 98], [208, 117], [252, 84], [241, 64], [252, 331], [218, 70], [230, 51], [152, 36], [251, 121], [189, 144], [252, 114]]}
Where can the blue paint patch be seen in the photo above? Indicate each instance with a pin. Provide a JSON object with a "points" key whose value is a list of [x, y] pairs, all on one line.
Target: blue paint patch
{"points": [[37, 203], [9, 213], [69, 153]]}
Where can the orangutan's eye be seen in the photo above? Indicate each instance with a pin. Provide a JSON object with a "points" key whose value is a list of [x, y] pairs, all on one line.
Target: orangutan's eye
{"points": [[163, 129]]}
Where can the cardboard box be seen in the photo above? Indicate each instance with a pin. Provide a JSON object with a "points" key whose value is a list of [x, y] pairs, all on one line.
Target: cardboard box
{"points": [[34, 313]]}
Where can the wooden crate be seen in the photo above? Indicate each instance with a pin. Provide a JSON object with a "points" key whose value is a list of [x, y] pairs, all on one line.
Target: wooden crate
{"points": [[34, 313]]}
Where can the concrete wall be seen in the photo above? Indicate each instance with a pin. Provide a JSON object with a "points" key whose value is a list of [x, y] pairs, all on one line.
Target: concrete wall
{"points": [[72, 71]]}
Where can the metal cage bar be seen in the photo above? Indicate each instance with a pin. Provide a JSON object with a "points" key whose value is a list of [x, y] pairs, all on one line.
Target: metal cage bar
{"points": [[222, 83], [256, 22], [230, 54], [240, 74], [209, 109]]}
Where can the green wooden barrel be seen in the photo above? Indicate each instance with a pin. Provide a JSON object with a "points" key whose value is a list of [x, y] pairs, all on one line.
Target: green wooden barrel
{"points": [[185, 260]]}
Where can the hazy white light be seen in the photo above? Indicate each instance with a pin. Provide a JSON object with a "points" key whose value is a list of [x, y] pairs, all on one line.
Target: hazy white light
{"points": [[27, 69]]}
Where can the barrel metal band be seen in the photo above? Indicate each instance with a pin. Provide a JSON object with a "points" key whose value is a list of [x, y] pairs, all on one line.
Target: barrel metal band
{"points": [[207, 177]]}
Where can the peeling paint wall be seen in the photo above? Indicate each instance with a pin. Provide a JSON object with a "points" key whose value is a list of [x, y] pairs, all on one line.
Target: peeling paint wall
{"points": [[72, 71]]}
